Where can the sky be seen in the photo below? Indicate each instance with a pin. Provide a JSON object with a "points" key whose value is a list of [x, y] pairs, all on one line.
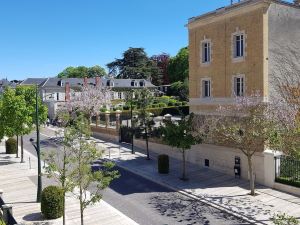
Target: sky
{"points": [[39, 38]]}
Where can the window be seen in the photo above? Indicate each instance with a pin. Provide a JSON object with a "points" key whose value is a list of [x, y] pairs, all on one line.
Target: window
{"points": [[238, 45], [206, 52], [239, 86], [142, 83], [206, 88], [132, 83], [57, 96], [119, 95]]}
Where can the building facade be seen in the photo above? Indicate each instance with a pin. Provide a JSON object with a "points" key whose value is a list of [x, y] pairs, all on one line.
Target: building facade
{"points": [[55, 92], [233, 50]]}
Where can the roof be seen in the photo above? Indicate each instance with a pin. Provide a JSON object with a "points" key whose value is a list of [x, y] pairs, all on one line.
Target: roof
{"points": [[240, 4], [34, 81], [78, 82], [127, 83]]}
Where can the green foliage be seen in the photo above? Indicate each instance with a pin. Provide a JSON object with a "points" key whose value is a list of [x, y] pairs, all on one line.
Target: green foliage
{"points": [[11, 146], [82, 71], [288, 181], [178, 68], [135, 64], [179, 134], [52, 203], [284, 219], [1, 221], [180, 89], [163, 164]]}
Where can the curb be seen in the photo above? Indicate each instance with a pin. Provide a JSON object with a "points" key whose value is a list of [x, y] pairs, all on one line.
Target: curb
{"points": [[185, 193]]}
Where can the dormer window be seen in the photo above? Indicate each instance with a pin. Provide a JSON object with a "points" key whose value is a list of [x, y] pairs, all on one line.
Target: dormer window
{"points": [[109, 83], [134, 83]]}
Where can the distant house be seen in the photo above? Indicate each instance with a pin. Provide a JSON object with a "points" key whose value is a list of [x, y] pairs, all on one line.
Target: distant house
{"points": [[55, 91], [6, 83]]}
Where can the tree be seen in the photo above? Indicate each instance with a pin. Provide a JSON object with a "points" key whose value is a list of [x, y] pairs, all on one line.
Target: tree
{"points": [[16, 116], [161, 76], [82, 71], [178, 68], [135, 64], [90, 100], [180, 134], [180, 89], [285, 96], [144, 99], [59, 166], [244, 125], [83, 154]]}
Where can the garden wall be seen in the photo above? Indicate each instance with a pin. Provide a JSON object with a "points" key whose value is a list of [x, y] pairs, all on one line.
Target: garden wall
{"points": [[220, 158]]}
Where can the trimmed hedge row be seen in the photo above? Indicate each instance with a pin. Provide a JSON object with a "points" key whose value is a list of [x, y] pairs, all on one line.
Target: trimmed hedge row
{"points": [[52, 204], [288, 181], [11, 146]]}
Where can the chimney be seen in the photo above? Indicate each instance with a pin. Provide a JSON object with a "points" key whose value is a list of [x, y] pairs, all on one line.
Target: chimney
{"points": [[297, 2], [97, 81], [85, 81], [67, 92]]}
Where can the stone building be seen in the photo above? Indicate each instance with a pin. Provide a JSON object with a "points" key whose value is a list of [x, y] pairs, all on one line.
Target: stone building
{"points": [[233, 52]]}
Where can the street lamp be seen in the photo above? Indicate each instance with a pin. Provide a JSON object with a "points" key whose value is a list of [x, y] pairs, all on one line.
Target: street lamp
{"points": [[37, 147]]}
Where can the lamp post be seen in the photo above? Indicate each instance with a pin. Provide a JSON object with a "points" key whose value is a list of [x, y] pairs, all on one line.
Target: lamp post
{"points": [[37, 147], [132, 129]]}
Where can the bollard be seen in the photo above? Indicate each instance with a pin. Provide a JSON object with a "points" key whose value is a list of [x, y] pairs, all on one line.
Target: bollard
{"points": [[29, 163], [6, 209]]}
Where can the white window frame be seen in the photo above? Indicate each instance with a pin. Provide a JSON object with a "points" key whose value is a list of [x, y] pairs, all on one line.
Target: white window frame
{"points": [[238, 57], [203, 86], [203, 54], [240, 85]]}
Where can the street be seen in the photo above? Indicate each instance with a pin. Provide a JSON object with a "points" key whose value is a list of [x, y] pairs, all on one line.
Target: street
{"points": [[146, 202]]}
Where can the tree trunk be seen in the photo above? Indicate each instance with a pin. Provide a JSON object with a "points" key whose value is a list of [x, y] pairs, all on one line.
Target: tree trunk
{"points": [[183, 166], [81, 205], [147, 144], [22, 150], [251, 175], [17, 156]]}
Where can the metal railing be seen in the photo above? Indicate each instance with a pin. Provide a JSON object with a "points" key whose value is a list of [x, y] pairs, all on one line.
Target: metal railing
{"points": [[7, 212], [287, 170]]}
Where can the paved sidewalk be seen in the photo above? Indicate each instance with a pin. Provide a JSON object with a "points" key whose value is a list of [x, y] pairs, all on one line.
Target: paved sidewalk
{"points": [[17, 182], [217, 189]]}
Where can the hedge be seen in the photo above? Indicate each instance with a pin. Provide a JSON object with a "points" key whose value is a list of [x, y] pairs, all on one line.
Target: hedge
{"points": [[288, 181], [52, 204], [11, 146], [163, 164], [1, 221]]}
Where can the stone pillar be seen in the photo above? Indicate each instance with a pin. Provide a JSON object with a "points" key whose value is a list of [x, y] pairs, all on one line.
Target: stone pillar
{"points": [[6, 209], [107, 118], [118, 116], [269, 167], [168, 117]]}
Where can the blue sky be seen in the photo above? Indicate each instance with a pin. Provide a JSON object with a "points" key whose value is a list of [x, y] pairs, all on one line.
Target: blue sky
{"points": [[39, 38]]}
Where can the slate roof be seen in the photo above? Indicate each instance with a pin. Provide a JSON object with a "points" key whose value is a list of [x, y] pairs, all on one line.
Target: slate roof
{"points": [[78, 82], [33, 81]]}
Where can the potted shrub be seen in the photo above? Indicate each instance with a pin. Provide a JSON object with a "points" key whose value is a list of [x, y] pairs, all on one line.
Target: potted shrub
{"points": [[11, 146], [163, 164], [52, 203]]}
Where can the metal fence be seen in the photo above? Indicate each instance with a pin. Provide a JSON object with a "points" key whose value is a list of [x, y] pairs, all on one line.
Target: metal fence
{"points": [[287, 171]]}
